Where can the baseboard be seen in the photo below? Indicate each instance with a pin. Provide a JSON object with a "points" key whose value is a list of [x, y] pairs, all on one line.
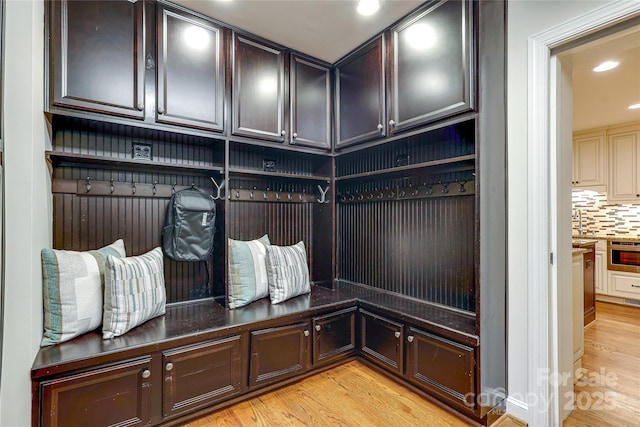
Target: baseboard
{"points": [[518, 409]]}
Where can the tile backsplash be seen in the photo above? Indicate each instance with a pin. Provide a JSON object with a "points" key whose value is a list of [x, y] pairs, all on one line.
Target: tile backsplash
{"points": [[601, 217]]}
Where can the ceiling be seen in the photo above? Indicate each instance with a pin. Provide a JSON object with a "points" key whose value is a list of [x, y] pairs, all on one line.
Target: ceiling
{"points": [[601, 99], [325, 29]]}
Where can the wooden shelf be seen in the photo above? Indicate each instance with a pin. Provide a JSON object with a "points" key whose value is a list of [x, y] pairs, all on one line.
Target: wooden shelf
{"points": [[259, 173], [73, 159], [452, 164]]}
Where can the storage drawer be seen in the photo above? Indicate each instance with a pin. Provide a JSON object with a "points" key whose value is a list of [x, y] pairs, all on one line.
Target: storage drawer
{"points": [[624, 284]]}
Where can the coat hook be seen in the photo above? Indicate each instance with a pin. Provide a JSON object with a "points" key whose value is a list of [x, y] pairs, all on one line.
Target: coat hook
{"points": [[218, 188], [237, 194], [429, 190], [112, 188], [193, 184], [154, 189], [301, 194], [173, 187], [462, 188], [133, 186], [445, 187], [323, 194], [88, 184], [289, 196], [251, 194], [351, 197]]}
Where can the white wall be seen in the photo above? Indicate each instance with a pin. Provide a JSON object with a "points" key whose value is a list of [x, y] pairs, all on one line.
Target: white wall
{"points": [[27, 204], [525, 19]]}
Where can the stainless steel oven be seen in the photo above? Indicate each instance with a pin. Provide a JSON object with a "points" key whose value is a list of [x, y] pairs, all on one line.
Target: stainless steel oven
{"points": [[623, 256]]}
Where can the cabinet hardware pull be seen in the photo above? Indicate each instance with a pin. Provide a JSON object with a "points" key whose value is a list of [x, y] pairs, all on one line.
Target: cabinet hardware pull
{"points": [[380, 126], [295, 135], [168, 366], [397, 334], [140, 106], [318, 327], [146, 373], [635, 286], [306, 333], [392, 123], [410, 338], [283, 133], [160, 110]]}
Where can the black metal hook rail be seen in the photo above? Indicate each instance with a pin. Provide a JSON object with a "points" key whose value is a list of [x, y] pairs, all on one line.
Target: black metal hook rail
{"points": [[277, 196], [440, 189]]}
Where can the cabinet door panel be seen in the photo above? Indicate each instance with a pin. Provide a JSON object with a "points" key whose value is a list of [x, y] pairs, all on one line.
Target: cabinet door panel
{"points": [[278, 353], [258, 89], [201, 375], [381, 341], [97, 57], [360, 95], [334, 335], [443, 367], [623, 155], [190, 71], [310, 103], [116, 395], [432, 64]]}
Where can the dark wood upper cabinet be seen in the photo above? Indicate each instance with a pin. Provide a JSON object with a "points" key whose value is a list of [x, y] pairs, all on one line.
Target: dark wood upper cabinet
{"points": [[113, 395], [279, 353], [310, 86], [190, 80], [431, 62], [360, 95], [200, 375], [259, 91], [97, 56]]}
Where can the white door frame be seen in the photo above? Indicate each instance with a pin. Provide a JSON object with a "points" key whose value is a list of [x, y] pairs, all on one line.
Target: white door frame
{"points": [[542, 207]]}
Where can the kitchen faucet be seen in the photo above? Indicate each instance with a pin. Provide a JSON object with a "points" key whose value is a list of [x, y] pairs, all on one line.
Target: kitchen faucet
{"points": [[578, 215]]}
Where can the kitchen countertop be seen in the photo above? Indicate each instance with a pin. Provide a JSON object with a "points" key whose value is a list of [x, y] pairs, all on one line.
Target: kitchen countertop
{"points": [[580, 251], [608, 237]]}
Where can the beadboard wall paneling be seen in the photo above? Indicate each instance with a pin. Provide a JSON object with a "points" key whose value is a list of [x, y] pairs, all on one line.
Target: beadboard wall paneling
{"points": [[252, 158], [422, 248]]}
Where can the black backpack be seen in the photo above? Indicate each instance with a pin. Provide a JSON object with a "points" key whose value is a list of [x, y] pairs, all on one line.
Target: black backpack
{"points": [[189, 226]]}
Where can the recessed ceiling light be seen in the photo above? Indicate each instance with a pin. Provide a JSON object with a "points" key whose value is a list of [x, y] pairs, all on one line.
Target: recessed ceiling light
{"points": [[606, 66], [368, 7], [634, 107]]}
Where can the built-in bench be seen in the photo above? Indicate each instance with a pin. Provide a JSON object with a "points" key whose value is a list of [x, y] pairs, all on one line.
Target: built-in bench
{"points": [[199, 356]]}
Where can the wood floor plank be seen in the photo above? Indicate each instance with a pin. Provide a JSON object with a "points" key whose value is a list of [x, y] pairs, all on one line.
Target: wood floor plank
{"points": [[609, 395], [348, 395]]}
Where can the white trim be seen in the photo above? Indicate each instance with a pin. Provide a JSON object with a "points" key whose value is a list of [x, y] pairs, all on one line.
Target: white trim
{"points": [[517, 408], [541, 236]]}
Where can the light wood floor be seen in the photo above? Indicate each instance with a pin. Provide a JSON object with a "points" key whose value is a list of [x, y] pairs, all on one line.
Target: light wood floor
{"points": [[610, 393], [335, 398]]}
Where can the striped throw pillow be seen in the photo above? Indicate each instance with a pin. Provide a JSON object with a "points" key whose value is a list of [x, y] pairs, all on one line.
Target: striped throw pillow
{"points": [[72, 291], [247, 271], [287, 271], [134, 292]]}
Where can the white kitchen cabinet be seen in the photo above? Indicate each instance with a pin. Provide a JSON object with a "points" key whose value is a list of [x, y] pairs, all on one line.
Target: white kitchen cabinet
{"points": [[601, 267], [589, 160], [577, 317], [624, 285], [624, 158]]}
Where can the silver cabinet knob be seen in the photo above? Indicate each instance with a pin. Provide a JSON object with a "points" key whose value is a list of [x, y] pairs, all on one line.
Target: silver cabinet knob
{"points": [[306, 333], [146, 373], [295, 135], [160, 110], [168, 366], [410, 338], [380, 126], [397, 334], [392, 123], [318, 327], [140, 106], [283, 133]]}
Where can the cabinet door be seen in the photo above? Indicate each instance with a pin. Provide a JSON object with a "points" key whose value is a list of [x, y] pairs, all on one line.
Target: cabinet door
{"points": [[431, 64], [258, 89], [279, 353], [190, 87], [443, 367], [623, 155], [115, 395], [381, 341], [200, 375], [97, 56], [601, 272], [360, 95], [334, 335], [589, 284], [589, 161], [310, 103]]}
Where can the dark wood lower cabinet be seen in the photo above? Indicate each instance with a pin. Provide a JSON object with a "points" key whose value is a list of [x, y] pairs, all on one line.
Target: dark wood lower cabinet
{"points": [[200, 375], [441, 366], [381, 340], [279, 353], [114, 395], [334, 335]]}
